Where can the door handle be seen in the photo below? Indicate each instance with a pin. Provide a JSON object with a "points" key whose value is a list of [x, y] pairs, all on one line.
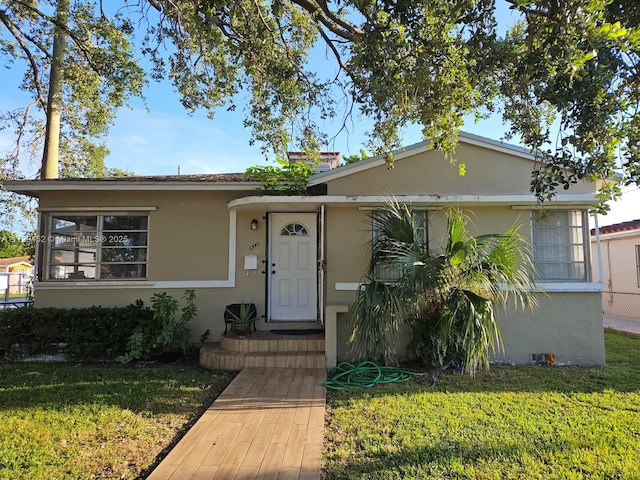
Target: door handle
{"points": [[273, 271]]}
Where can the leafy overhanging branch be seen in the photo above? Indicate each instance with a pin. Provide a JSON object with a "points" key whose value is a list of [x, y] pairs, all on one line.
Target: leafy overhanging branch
{"points": [[422, 62]]}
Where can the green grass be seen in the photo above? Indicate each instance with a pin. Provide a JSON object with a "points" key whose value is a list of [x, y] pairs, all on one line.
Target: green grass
{"points": [[521, 422], [75, 421]]}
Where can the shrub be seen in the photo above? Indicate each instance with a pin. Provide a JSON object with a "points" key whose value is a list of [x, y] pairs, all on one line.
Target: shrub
{"points": [[95, 332], [163, 331]]}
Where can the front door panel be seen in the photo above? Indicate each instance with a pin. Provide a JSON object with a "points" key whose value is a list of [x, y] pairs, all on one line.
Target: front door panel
{"points": [[293, 273]]}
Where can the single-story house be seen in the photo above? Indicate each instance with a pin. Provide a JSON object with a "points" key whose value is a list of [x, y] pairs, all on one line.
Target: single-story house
{"points": [[16, 265], [300, 258], [15, 276], [620, 257]]}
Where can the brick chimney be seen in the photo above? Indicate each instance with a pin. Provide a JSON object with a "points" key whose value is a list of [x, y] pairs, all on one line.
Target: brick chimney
{"points": [[326, 160]]}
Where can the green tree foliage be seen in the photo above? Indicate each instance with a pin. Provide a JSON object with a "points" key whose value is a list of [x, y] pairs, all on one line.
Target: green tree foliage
{"points": [[286, 179], [426, 62], [396, 63], [100, 73], [446, 297], [11, 245], [356, 157]]}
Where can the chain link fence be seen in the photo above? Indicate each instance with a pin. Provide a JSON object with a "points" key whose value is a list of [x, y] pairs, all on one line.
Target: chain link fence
{"points": [[622, 304]]}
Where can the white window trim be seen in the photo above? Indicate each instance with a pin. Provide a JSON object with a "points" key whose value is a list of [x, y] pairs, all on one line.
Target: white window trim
{"points": [[586, 243], [229, 282], [99, 214]]}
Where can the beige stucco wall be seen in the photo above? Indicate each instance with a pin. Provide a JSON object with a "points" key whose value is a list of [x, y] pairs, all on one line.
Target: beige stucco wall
{"points": [[567, 324], [488, 172], [621, 295], [188, 241]]}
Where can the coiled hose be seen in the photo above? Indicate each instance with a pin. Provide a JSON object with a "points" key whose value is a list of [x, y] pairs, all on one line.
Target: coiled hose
{"points": [[366, 375]]}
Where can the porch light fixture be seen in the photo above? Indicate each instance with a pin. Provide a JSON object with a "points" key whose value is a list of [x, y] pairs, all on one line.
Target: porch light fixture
{"points": [[254, 224]]}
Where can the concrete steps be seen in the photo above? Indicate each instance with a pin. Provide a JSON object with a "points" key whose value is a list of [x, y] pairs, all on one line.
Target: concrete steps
{"points": [[264, 349]]}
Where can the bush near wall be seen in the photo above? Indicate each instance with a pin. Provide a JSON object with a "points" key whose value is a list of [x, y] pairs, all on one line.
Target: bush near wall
{"points": [[83, 333]]}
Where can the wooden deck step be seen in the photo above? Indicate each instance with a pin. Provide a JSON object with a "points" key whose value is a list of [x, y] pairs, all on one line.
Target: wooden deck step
{"points": [[269, 342], [213, 356]]}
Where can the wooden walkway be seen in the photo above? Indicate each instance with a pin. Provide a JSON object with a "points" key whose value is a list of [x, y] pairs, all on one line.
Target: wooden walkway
{"points": [[267, 424]]}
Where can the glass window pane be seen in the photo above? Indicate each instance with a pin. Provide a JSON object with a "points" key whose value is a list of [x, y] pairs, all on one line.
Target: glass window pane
{"points": [[124, 254], [72, 272], [124, 239], [76, 242], [69, 224], [111, 222], [57, 256], [122, 270], [558, 245], [294, 229]]}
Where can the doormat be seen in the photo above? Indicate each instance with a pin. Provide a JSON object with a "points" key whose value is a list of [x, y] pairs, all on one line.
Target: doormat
{"points": [[298, 331]]}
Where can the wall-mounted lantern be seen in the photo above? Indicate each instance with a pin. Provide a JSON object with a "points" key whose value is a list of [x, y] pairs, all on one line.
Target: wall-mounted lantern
{"points": [[254, 224]]}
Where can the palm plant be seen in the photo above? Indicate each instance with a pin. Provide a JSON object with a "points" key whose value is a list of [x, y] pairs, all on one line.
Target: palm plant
{"points": [[449, 297]]}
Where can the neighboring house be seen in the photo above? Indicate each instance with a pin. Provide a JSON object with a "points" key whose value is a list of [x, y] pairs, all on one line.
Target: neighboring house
{"points": [[620, 256], [15, 276], [301, 258], [16, 265]]}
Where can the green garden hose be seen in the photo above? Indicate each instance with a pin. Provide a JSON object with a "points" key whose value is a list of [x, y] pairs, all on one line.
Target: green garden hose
{"points": [[366, 375]]}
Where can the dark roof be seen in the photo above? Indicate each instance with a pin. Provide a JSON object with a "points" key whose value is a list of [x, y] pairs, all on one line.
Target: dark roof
{"points": [[619, 227], [205, 177]]}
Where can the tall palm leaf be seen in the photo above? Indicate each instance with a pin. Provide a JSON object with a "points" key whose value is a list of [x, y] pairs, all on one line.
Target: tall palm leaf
{"points": [[449, 298]]}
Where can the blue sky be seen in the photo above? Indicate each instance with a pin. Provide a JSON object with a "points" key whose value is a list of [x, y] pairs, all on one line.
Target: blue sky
{"points": [[165, 137]]}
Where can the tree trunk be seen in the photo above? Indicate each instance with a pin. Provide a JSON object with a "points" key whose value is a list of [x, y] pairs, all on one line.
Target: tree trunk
{"points": [[50, 155]]}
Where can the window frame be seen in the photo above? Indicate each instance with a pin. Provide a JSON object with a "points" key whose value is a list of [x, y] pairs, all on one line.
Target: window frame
{"points": [[564, 231], [96, 243], [378, 270], [638, 263]]}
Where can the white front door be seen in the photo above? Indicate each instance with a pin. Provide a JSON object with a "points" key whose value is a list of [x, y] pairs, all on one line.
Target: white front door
{"points": [[293, 282]]}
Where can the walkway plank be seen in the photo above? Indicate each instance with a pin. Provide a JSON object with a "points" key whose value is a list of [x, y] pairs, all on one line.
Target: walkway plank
{"points": [[266, 424]]}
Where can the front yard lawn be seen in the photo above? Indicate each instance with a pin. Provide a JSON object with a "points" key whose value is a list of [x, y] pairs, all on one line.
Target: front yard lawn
{"points": [[509, 423], [79, 421]]}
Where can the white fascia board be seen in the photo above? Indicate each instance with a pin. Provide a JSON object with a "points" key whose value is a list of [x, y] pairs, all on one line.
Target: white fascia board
{"points": [[525, 201], [582, 200], [579, 287], [617, 235], [37, 186], [121, 208], [497, 145]]}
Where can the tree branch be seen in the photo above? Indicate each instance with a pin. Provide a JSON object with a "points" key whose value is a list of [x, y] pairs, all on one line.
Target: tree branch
{"points": [[333, 48], [341, 29], [67, 31], [22, 127], [337, 20], [25, 48]]}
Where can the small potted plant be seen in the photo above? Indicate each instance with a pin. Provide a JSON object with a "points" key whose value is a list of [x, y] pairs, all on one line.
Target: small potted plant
{"points": [[241, 316]]}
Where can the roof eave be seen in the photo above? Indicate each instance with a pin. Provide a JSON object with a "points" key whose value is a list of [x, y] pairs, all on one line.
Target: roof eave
{"points": [[34, 187]]}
